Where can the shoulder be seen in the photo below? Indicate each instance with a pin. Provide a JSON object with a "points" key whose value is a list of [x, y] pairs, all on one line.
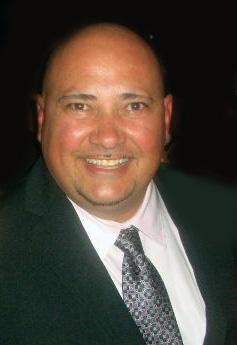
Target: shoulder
{"points": [[207, 206], [197, 189], [24, 203], [12, 204]]}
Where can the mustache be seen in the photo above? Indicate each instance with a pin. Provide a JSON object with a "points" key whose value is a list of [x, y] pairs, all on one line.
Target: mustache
{"points": [[107, 155]]}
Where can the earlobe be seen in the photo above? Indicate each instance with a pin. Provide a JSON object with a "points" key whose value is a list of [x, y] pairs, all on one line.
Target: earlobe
{"points": [[168, 103], [40, 115]]}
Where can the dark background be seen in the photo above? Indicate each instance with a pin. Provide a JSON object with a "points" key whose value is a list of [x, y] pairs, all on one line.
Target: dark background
{"points": [[199, 46]]}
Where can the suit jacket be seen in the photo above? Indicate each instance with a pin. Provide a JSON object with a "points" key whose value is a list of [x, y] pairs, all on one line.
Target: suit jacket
{"points": [[55, 290]]}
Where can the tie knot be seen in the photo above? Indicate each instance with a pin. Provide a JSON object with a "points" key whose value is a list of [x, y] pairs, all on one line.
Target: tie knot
{"points": [[129, 241]]}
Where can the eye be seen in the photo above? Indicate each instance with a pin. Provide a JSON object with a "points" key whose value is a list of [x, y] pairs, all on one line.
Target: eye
{"points": [[136, 106], [77, 106]]}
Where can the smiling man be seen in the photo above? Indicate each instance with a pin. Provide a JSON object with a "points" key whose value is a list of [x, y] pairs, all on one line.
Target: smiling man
{"points": [[103, 119], [95, 247]]}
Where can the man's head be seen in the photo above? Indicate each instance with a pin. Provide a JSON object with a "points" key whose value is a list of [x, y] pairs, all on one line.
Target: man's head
{"points": [[103, 119]]}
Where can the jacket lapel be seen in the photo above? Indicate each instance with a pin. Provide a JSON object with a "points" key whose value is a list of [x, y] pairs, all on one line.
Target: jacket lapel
{"points": [[193, 226], [65, 248]]}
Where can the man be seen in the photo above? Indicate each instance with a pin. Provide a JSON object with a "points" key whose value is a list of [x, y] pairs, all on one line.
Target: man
{"points": [[104, 119]]}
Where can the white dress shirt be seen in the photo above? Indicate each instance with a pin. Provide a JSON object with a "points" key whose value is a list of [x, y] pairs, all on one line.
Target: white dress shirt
{"points": [[162, 245]]}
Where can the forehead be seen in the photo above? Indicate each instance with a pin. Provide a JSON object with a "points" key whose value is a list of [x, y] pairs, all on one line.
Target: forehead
{"points": [[103, 49]]}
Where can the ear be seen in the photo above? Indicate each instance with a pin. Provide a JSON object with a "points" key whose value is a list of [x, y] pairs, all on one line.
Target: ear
{"points": [[168, 104], [40, 114]]}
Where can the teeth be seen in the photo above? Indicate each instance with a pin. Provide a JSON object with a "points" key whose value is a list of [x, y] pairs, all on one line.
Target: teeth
{"points": [[110, 163]]}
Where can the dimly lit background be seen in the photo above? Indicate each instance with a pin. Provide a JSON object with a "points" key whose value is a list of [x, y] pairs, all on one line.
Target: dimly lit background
{"points": [[199, 46]]}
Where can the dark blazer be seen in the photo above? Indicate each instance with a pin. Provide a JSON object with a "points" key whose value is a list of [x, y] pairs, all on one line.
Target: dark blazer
{"points": [[54, 288]]}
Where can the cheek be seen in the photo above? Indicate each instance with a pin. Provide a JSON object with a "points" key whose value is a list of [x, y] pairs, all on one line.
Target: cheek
{"points": [[149, 137], [68, 135]]}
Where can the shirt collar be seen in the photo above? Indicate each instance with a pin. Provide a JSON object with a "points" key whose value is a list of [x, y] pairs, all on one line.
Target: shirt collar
{"points": [[103, 233]]}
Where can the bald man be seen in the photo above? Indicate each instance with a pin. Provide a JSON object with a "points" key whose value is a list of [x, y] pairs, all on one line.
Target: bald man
{"points": [[103, 119]]}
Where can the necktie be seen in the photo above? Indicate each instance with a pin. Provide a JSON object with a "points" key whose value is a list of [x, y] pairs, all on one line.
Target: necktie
{"points": [[145, 294]]}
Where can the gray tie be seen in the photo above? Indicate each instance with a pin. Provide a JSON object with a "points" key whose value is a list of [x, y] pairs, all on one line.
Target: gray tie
{"points": [[145, 294]]}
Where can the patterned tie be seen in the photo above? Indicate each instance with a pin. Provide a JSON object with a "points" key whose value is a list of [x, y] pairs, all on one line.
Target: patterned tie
{"points": [[145, 294]]}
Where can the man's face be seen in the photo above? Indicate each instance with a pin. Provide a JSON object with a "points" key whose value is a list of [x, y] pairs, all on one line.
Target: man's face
{"points": [[103, 121]]}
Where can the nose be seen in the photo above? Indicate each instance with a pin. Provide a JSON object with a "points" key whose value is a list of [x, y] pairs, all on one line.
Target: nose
{"points": [[108, 132]]}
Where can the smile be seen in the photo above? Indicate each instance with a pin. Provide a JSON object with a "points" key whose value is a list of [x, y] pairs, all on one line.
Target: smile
{"points": [[107, 163]]}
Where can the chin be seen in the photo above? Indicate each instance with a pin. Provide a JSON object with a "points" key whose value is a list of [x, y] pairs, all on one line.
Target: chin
{"points": [[105, 199]]}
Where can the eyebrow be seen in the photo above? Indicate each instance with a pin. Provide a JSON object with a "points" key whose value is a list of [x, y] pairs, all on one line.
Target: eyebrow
{"points": [[134, 96], [89, 97], [80, 96]]}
